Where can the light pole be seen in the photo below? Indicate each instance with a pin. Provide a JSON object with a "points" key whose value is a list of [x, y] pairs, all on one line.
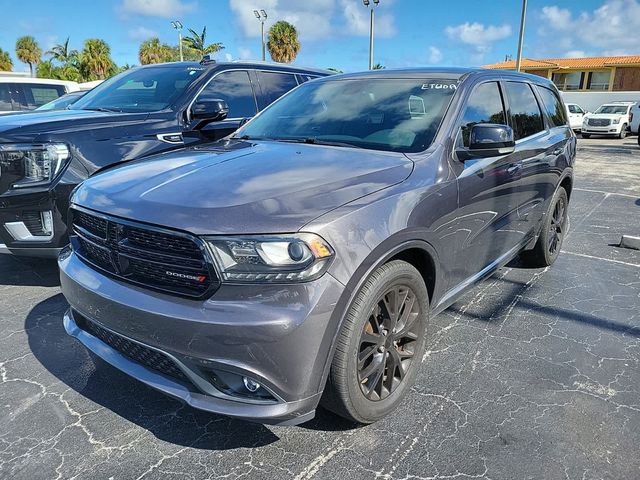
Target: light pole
{"points": [[262, 16], [522, 19], [178, 26], [367, 3]]}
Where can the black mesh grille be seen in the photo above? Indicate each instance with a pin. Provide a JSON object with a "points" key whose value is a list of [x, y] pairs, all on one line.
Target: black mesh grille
{"points": [[138, 353], [173, 263]]}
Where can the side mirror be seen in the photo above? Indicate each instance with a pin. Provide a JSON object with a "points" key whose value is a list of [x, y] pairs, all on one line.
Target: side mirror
{"points": [[208, 111], [489, 140]]}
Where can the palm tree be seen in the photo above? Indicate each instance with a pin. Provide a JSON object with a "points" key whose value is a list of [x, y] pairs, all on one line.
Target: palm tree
{"points": [[283, 42], [152, 51], [6, 64], [95, 60], [198, 43], [61, 53], [28, 51]]}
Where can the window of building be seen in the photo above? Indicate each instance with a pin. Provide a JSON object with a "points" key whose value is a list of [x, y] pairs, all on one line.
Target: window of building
{"points": [[598, 80], [553, 106], [234, 87], [484, 106], [526, 118], [568, 81]]}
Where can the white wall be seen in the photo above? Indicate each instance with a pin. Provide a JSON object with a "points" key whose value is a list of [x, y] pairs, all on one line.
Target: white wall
{"points": [[592, 100]]}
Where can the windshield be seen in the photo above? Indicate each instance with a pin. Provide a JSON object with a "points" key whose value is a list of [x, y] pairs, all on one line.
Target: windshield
{"points": [[139, 90], [401, 115], [615, 109]]}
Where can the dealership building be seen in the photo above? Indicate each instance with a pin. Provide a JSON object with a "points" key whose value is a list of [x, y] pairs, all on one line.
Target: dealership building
{"points": [[613, 74]]}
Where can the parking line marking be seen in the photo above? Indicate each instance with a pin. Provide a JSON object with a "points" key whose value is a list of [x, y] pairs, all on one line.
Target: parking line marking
{"points": [[603, 259], [605, 193]]}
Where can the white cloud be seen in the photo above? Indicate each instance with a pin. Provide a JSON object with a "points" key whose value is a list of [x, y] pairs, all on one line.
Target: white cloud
{"points": [[611, 28], [140, 34], [228, 57], [435, 55], [245, 53], [477, 34], [157, 8], [575, 54], [314, 20]]}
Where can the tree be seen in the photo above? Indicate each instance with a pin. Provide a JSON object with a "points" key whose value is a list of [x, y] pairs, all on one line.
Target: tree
{"points": [[378, 66], [62, 54], [95, 60], [283, 42], [198, 44], [152, 51], [28, 51], [6, 64]]}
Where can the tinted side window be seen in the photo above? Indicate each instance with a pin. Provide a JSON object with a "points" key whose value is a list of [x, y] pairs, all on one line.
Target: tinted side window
{"points": [[526, 118], [274, 84], [553, 106], [573, 109], [484, 106], [39, 94], [5, 98], [235, 89]]}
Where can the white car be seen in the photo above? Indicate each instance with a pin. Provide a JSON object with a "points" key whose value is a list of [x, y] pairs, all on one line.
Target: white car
{"points": [[609, 119], [20, 94], [576, 115]]}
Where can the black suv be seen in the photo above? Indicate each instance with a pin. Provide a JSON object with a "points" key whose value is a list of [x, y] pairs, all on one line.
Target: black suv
{"points": [[142, 111]]}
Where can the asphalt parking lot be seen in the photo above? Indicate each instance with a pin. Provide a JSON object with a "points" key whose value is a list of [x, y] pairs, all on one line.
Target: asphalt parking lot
{"points": [[534, 374]]}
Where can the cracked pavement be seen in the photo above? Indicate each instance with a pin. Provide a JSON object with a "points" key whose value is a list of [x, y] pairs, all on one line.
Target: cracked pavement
{"points": [[533, 374]]}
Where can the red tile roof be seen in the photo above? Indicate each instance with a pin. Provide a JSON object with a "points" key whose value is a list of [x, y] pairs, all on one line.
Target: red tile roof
{"points": [[585, 62]]}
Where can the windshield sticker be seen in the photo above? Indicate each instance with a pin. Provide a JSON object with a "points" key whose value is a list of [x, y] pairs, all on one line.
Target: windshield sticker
{"points": [[439, 86]]}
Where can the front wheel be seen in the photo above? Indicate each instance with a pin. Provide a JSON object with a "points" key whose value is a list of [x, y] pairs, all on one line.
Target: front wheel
{"points": [[554, 229], [623, 131], [380, 346]]}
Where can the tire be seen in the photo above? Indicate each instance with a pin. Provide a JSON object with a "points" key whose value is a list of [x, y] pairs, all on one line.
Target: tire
{"points": [[623, 131], [554, 229], [364, 391], [585, 135]]}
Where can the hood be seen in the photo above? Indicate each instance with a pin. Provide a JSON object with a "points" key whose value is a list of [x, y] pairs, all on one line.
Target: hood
{"points": [[33, 124], [263, 187], [610, 116]]}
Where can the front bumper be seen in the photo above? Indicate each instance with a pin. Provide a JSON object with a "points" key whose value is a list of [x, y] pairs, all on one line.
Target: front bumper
{"points": [[279, 335], [606, 130]]}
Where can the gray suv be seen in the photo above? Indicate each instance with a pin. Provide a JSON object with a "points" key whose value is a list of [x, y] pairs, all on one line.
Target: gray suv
{"points": [[297, 262]]}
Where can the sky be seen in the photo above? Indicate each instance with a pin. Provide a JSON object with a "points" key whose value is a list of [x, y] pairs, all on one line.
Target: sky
{"points": [[334, 33]]}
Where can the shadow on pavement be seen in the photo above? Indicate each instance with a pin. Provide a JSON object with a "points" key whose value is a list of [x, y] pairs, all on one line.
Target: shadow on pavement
{"points": [[28, 272], [168, 419]]}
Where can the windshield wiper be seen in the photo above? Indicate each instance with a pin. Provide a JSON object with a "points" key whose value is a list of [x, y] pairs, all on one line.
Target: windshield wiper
{"points": [[315, 141], [103, 109]]}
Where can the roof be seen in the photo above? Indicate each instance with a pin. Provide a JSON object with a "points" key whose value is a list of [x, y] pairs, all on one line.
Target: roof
{"points": [[440, 72], [559, 63], [238, 63]]}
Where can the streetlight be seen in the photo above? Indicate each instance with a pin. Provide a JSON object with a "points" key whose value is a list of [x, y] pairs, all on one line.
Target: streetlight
{"points": [[367, 3], [522, 19], [262, 16], [178, 26]]}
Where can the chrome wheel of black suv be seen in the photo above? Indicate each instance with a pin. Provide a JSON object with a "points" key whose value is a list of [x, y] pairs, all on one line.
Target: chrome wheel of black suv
{"points": [[380, 345]]}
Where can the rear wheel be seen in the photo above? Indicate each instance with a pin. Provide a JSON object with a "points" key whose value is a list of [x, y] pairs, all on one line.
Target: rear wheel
{"points": [[554, 229], [623, 131], [585, 135], [380, 346]]}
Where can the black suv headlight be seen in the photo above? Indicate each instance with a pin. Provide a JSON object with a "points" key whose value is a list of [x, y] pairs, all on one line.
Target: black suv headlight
{"points": [[271, 259], [31, 165]]}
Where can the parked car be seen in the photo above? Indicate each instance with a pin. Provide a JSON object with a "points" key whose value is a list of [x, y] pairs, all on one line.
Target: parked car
{"points": [[609, 119], [576, 115], [22, 94], [301, 258], [634, 119], [62, 102], [141, 111]]}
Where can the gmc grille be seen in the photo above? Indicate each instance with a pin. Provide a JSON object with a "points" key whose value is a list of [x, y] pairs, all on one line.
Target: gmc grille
{"points": [[599, 122], [157, 259]]}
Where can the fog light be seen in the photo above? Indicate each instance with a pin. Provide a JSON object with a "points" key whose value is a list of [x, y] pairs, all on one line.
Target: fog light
{"points": [[250, 384], [47, 222]]}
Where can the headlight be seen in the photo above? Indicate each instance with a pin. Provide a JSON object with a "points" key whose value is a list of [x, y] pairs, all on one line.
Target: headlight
{"points": [[25, 165], [615, 121], [272, 259]]}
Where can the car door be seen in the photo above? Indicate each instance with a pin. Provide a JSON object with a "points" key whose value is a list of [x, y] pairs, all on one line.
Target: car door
{"points": [[235, 88], [576, 116], [487, 219]]}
